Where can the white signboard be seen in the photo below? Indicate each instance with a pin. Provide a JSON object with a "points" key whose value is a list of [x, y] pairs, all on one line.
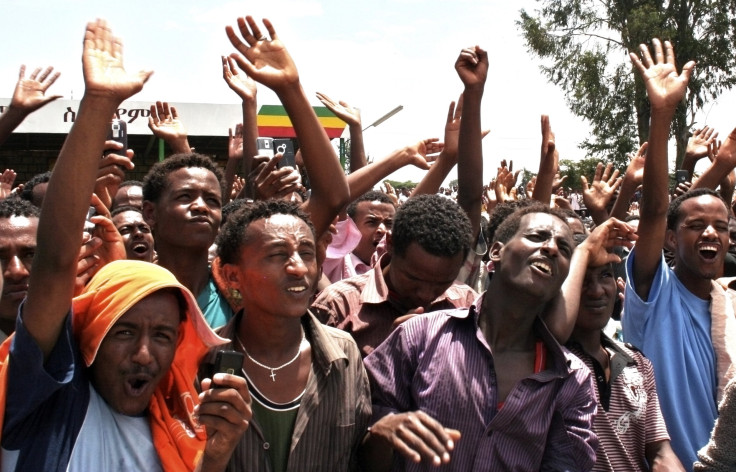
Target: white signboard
{"points": [[200, 119]]}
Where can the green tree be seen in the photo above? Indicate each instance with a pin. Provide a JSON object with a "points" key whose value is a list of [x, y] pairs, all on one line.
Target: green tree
{"points": [[584, 46]]}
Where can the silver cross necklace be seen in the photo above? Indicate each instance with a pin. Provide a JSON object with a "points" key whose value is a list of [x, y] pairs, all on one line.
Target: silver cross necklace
{"points": [[273, 369]]}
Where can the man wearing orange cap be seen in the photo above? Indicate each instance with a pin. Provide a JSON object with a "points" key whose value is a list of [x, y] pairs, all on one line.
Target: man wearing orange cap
{"points": [[105, 381]]}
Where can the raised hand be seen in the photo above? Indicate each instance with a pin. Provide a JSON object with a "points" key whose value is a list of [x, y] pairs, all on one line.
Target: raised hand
{"points": [[6, 183], [102, 64], [635, 170], [700, 141], [165, 124], [598, 195], [30, 93], [506, 182], [342, 110], [235, 142], [472, 67], [241, 84], [665, 88], [265, 60]]}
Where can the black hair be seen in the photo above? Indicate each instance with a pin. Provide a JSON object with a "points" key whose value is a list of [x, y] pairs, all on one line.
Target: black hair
{"points": [[10, 207], [369, 196], [504, 210], [233, 235], [436, 223], [27, 193], [232, 206], [673, 211], [156, 180]]}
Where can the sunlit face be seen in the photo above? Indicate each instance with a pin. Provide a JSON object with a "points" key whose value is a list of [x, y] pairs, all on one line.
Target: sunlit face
{"points": [[374, 220], [597, 298], [537, 258], [136, 235], [700, 238], [188, 212], [17, 247], [277, 268], [418, 277], [137, 353]]}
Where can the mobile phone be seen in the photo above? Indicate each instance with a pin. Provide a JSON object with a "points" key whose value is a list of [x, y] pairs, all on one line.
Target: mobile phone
{"points": [[229, 362], [118, 131], [265, 146], [286, 147], [89, 226], [682, 176]]}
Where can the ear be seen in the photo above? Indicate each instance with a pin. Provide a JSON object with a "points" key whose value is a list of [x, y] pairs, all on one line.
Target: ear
{"points": [[149, 213], [232, 275], [495, 252], [670, 240], [389, 243]]}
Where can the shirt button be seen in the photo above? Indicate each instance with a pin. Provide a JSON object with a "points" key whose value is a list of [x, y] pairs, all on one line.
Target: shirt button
{"points": [[266, 446]]}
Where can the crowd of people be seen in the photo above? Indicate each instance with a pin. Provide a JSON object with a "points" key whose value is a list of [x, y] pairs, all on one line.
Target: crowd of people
{"points": [[459, 329]]}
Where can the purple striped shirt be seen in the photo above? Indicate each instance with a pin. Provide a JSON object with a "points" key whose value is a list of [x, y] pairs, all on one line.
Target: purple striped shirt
{"points": [[440, 363]]}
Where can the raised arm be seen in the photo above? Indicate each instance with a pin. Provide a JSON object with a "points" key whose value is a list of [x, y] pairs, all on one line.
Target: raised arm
{"points": [[633, 178], [548, 164], [593, 252], [247, 90], [665, 89], [722, 165], [268, 62], [29, 96], [472, 67], [351, 116], [447, 159], [64, 209], [419, 154]]}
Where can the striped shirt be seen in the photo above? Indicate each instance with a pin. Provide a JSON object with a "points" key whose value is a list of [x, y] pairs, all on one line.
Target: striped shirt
{"points": [[631, 417], [441, 364], [334, 411], [360, 305]]}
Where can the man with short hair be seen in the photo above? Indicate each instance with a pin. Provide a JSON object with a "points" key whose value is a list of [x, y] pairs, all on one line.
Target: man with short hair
{"points": [[681, 318], [426, 248], [182, 203], [18, 227], [489, 385], [370, 216], [106, 380], [135, 231]]}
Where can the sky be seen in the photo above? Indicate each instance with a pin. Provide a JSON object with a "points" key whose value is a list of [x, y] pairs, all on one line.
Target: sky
{"points": [[374, 55]]}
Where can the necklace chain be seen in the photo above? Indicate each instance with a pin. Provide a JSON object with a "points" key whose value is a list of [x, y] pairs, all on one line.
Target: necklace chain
{"points": [[272, 369]]}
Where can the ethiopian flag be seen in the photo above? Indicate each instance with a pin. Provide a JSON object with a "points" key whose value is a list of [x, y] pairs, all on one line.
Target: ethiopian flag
{"points": [[275, 123]]}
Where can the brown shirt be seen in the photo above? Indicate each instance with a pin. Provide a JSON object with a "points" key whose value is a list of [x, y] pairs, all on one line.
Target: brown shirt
{"points": [[360, 305], [334, 412]]}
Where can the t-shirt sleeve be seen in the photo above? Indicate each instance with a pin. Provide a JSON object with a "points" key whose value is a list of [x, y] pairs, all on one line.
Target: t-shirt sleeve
{"points": [[30, 381], [637, 311]]}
